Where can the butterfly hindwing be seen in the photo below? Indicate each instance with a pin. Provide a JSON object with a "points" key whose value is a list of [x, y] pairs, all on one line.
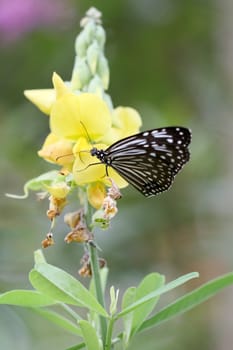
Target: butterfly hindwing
{"points": [[149, 160]]}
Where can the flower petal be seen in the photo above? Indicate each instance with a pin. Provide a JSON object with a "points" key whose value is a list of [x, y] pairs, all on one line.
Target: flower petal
{"points": [[88, 169], [42, 98], [96, 193], [74, 116], [59, 85], [57, 151], [126, 122], [58, 190]]}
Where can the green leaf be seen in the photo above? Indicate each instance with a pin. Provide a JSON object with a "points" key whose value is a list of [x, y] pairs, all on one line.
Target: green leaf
{"points": [[26, 298], [43, 285], [36, 184], [133, 320], [61, 286], [39, 257], [59, 320], [90, 336], [169, 286], [149, 284], [189, 301], [77, 347], [129, 298]]}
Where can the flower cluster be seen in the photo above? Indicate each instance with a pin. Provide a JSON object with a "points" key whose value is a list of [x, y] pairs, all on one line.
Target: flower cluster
{"points": [[81, 115], [76, 123]]}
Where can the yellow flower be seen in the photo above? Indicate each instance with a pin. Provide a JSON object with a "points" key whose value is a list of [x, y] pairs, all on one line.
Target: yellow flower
{"points": [[58, 190], [126, 121], [79, 122], [85, 115], [57, 151], [96, 193], [44, 98], [88, 169], [72, 115]]}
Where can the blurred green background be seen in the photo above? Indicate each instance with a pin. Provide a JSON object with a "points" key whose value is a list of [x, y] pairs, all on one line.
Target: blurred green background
{"points": [[172, 60]]}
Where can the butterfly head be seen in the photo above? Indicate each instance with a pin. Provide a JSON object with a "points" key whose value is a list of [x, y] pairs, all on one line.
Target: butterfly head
{"points": [[101, 155]]}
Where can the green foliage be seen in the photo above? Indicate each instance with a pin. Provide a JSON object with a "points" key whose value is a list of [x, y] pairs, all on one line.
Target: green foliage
{"points": [[54, 286], [90, 336], [134, 319], [62, 287], [59, 320], [189, 301], [26, 298], [38, 183], [168, 69]]}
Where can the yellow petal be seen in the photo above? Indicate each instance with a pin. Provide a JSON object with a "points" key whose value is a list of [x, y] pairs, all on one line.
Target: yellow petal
{"points": [[43, 98], [127, 118], [126, 122], [120, 182], [58, 190], [96, 193], [57, 151], [88, 169], [85, 115], [59, 85]]}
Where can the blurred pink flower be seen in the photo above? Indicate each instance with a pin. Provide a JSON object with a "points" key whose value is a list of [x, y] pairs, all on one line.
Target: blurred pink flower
{"points": [[18, 17]]}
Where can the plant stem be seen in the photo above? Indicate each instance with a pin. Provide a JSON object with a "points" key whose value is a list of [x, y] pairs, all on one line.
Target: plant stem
{"points": [[108, 344], [98, 287]]}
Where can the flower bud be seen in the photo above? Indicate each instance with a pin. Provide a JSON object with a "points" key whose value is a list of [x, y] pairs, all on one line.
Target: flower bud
{"points": [[100, 36], [103, 71], [58, 190], [89, 31], [81, 44], [99, 219], [95, 86], [81, 74], [92, 56]]}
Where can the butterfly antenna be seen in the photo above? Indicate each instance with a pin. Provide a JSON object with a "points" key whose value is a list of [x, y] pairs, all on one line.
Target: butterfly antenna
{"points": [[64, 155]]}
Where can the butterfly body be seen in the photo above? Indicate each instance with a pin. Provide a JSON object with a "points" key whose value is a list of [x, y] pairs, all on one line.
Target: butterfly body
{"points": [[148, 160]]}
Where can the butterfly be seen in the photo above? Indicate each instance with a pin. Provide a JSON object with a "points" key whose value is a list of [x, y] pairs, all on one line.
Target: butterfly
{"points": [[148, 160]]}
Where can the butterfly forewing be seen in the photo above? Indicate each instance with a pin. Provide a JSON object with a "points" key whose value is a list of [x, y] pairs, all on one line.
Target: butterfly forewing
{"points": [[150, 160]]}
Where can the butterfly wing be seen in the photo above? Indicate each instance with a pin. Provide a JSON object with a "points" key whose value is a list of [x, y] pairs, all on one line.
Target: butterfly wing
{"points": [[150, 160]]}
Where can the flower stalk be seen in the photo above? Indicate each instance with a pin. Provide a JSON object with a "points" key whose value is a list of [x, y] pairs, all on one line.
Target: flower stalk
{"points": [[98, 287]]}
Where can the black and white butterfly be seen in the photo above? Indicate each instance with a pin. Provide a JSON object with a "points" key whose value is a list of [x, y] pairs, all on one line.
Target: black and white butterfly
{"points": [[149, 160]]}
